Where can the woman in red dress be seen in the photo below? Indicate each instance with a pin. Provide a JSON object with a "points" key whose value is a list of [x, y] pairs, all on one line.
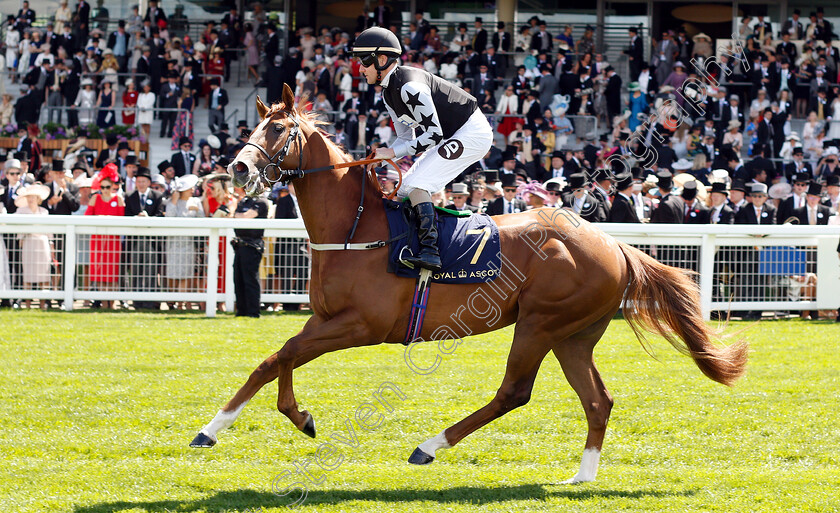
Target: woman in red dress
{"points": [[129, 102], [105, 249], [215, 66]]}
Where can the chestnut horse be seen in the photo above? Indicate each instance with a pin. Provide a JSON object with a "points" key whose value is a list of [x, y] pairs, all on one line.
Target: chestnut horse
{"points": [[562, 282]]}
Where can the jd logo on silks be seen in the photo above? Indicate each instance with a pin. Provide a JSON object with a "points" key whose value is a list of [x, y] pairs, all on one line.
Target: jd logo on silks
{"points": [[451, 149]]}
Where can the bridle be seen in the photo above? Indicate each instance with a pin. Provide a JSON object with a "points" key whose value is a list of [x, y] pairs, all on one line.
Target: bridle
{"points": [[287, 175], [274, 161]]}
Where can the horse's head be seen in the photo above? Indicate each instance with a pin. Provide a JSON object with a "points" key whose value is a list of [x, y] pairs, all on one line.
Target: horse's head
{"points": [[274, 146]]}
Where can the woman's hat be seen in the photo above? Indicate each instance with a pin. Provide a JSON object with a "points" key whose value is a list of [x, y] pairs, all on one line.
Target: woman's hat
{"points": [[780, 191], [701, 36], [224, 177], [199, 47], [36, 189], [733, 123], [681, 164], [214, 142], [633, 86], [186, 183], [87, 82]]}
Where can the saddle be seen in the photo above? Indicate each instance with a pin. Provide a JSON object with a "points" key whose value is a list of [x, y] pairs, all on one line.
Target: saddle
{"points": [[468, 243]]}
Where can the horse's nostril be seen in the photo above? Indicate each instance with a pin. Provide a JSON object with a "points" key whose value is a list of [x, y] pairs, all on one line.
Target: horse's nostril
{"points": [[241, 167]]}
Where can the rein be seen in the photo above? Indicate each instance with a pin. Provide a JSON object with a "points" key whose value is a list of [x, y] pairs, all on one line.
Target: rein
{"points": [[287, 175]]}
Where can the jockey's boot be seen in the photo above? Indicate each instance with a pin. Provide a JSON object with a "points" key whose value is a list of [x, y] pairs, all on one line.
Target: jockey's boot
{"points": [[429, 256]]}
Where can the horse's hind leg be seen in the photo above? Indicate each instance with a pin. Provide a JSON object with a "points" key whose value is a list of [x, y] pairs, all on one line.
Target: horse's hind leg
{"points": [[265, 373], [526, 354], [575, 356]]}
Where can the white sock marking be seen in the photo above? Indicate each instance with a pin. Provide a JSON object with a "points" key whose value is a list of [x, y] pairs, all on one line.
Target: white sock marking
{"points": [[588, 467], [433, 444], [222, 420]]}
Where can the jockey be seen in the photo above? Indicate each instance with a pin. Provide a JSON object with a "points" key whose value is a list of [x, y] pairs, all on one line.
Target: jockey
{"points": [[434, 119]]}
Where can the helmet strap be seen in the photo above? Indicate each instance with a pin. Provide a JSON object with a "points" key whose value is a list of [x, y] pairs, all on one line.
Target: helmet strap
{"points": [[380, 69]]}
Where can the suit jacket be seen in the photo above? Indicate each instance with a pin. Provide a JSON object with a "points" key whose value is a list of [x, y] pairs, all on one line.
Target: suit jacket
{"points": [[823, 213], [8, 198], [790, 170], [613, 93], [669, 210], [480, 86], [223, 98], [69, 201], [798, 28], [786, 209], [479, 41], [622, 211], [537, 41], [746, 215], [153, 207], [285, 208], [547, 86], [727, 215], [501, 42], [698, 214], [112, 41], [497, 206], [103, 156], [593, 209], [169, 98], [177, 160]]}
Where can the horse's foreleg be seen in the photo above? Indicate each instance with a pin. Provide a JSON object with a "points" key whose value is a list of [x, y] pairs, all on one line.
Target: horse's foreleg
{"points": [[584, 378], [341, 332], [524, 360], [265, 373]]}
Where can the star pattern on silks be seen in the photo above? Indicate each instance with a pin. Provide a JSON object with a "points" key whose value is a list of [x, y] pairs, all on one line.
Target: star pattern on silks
{"points": [[436, 138], [419, 148], [426, 121], [413, 100]]}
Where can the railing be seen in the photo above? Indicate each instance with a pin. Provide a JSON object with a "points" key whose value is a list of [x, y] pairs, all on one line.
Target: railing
{"points": [[740, 267]]}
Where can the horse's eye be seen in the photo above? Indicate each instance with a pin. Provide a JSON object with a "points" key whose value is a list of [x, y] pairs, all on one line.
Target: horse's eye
{"points": [[278, 128]]}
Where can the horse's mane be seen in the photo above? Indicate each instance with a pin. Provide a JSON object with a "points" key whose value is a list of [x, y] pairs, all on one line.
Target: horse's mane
{"points": [[308, 117]]}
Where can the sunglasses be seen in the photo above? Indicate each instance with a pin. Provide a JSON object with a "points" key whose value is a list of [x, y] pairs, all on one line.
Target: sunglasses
{"points": [[368, 60], [105, 187], [800, 185], [510, 189], [13, 174]]}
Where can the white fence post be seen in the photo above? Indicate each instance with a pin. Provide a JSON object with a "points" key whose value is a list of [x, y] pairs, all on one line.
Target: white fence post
{"points": [[229, 290], [69, 266], [707, 278], [212, 272]]}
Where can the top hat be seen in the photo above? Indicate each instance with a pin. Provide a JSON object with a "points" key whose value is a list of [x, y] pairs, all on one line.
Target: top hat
{"points": [[802, 177], [144, 172], [577, 181], [623, 181], [508, 180], [131, 160], [738, 185], [815, 189], [689, 190], [758, 188], [184, 140], [665, 179], [58, 165], [719, 187], [123, 145], [460, 189], [163, 166]]}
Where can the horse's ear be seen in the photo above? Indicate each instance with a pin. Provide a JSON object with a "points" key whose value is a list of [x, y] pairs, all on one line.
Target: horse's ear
{"points": [[262, 109], [288, 97]]}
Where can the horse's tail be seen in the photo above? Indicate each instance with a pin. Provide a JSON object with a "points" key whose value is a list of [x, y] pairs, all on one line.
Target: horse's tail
{"points": [[666, 300]]}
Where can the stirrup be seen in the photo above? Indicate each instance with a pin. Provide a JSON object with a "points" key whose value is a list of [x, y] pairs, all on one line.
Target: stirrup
{"points": [[402, 259]]}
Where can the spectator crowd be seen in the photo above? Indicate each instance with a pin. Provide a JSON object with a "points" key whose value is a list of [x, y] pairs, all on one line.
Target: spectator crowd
{"points": [[734, 155]]}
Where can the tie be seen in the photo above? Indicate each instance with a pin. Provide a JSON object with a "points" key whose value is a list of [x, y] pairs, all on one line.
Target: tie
{"points": [[187, 169], [812, 216], [510, 207], [142, 201]]}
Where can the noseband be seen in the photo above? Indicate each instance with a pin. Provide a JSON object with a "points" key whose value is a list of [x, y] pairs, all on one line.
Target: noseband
{"points": [[277, 159]]}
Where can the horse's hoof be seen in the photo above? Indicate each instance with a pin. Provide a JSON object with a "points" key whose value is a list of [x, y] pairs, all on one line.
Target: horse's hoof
{"points": [[202, 440], [309, 426], [419, 457]]}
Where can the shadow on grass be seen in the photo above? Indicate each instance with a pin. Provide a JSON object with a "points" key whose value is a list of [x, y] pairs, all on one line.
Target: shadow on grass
{"points": [[472, 495]]}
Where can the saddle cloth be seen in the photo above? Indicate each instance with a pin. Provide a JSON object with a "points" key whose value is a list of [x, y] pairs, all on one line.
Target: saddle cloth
{"points": [[469, 244]]}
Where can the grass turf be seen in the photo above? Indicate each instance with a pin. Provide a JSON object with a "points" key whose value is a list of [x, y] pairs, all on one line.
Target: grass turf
{"points": [[98, 409]]}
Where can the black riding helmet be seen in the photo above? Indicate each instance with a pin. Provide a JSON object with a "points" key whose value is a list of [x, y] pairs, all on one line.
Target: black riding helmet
{"points": [[374, 42]]}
